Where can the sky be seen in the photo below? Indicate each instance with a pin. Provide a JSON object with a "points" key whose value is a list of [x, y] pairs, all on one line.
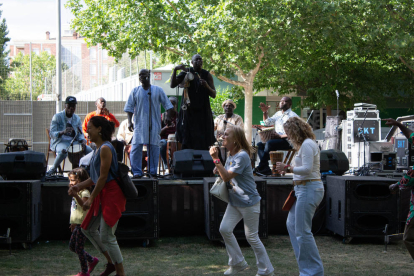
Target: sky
{"points": [[30, 19]]}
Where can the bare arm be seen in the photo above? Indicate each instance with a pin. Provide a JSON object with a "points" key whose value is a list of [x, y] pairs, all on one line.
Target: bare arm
{"points": [[209, 84], [265, 110], [225, 174], [405, 130], [174, 82], [130, 124]]}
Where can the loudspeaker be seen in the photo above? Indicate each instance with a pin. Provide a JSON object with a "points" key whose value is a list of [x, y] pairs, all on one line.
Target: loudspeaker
{"points": [[20, 207], [140, 219], [22, 165], [193, 162], [334, 160], [214, 210], [361, 206], [56, 204]]}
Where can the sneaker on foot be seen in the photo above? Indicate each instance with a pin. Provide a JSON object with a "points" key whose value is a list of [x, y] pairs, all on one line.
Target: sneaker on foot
{"points": [[93, 264], [51, 171], [109, 268], [270, 274], [264, 171], [82, 274], [236, 268]]}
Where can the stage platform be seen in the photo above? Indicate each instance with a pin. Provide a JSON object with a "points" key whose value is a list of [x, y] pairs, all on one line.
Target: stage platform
{"points": [[180, 207]]}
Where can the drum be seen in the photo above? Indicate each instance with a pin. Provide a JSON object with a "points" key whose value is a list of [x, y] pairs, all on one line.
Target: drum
{"points": [[276, 156], [172, 146], [75, 153], [253, 156], [267, 134]]}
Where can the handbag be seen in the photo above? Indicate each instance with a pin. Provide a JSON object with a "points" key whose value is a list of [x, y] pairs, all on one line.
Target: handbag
{"points": [[125, 183], [289, 201], [219, 190]]}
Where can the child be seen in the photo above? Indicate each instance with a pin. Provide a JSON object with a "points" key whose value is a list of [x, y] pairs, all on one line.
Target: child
{"points": [[77, 214]]}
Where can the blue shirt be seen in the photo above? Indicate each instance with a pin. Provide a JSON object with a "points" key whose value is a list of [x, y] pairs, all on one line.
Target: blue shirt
{"points": [[95, 164], [58, 124], [138, 104], [240, 164]]}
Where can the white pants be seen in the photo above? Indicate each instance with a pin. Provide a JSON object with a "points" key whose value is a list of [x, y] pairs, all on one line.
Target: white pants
{"points": [[250, 216]]}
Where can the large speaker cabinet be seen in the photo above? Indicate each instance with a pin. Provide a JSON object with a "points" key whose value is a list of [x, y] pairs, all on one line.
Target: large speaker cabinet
{"points": [[20, 207], [361, 206], [140, 219], [215, 208]]}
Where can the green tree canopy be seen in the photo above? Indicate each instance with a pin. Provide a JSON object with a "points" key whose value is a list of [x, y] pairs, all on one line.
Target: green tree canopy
{"points": [[4, 64], [43, 75]]}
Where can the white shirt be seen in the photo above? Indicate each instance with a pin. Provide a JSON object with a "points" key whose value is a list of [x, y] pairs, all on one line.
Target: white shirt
{"points": [[279, 119], [307, 164]]}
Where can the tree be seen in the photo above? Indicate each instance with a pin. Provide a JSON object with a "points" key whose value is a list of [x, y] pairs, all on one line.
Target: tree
{"points": [[43, 77], [234, 37], [222, 95], [4, 65], [360, 48]]}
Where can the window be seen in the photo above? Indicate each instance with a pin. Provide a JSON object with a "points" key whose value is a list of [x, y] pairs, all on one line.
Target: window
{"points": [[48, 51], [104, 54], [93, 69], [92, 53], [104, 69], [36, 51]]}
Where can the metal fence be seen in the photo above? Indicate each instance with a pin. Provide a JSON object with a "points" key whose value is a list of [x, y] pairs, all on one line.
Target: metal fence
{"points": [[29, 120]]}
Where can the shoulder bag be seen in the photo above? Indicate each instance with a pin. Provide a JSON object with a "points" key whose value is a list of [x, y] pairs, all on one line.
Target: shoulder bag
{"points": [[125, 183], [219, 190]]}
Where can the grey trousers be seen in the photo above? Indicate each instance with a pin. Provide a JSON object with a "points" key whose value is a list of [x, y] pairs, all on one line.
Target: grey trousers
{"points": [[408, 237], [105, 239]]}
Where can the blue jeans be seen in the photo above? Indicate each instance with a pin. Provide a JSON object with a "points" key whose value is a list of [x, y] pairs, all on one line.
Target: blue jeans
{"points": [[136, 159], [271, 145], [60, 156], [163, 151], [299, 225]]}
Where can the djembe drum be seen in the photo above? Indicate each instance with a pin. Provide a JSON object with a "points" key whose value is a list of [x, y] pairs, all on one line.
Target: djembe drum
{"points": [[276, 156], [267, 134], [172, 146]]}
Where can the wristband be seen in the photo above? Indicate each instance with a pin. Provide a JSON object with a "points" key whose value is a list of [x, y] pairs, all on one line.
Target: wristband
{"points": [[216, 161]]}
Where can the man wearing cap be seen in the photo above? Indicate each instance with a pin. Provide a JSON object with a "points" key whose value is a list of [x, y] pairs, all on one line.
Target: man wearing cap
{"points": [[65, 127], [227, 119]]}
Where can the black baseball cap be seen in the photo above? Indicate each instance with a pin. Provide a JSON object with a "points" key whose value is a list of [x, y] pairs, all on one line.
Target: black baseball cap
{"points": [[71, 100]]}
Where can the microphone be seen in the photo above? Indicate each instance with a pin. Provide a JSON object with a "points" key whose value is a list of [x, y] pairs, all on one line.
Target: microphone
{"points": [[337, 93]]}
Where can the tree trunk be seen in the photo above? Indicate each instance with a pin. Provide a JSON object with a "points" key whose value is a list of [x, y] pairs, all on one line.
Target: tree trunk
{"points": [[248, 111], [328, 110]]}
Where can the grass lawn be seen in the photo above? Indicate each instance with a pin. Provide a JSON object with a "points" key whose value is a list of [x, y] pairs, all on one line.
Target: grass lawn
{"points": [[198, 256]]}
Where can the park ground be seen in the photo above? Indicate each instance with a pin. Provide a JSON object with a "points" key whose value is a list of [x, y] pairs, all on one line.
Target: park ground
{"points": [[198, 256]]}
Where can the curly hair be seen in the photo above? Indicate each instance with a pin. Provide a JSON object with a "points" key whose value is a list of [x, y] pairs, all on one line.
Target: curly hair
{"points": [[108, 128], [80, 174], [297, 131]]}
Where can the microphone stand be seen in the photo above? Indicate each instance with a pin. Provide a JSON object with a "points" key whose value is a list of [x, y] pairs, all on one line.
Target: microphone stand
{"points": [[309, 116], [361, 133], [149, 135]]}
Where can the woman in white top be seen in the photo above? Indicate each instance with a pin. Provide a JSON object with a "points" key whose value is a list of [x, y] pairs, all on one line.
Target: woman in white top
{"points": [[309, 192], [244, 203]]}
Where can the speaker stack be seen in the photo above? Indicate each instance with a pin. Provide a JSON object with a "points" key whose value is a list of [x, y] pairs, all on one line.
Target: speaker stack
{"points": [[22, 165], [361, 206], [193, 163], [140, 220], [215, 208], [20, 208]]}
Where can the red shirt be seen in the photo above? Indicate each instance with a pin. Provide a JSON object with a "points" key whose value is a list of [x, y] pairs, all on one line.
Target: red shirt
{"points": [[109, 117]]}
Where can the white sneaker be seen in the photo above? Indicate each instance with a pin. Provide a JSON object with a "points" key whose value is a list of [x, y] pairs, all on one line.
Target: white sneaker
{"points": [[270, 274], [236, 268]]}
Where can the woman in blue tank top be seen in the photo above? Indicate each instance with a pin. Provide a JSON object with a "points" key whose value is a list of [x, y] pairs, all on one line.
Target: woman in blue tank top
{"points": [[107, 202]]}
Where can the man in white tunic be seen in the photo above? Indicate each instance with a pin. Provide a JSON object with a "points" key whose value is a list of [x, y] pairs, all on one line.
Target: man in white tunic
{"points": [[147, 122]]}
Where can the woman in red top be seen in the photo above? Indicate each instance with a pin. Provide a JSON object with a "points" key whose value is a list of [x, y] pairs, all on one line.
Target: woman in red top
{"points": [[107, 202]]}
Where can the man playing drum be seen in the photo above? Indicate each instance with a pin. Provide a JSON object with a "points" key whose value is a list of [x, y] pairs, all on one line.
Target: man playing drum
{"points": [[66, 127], [279, 141]]}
